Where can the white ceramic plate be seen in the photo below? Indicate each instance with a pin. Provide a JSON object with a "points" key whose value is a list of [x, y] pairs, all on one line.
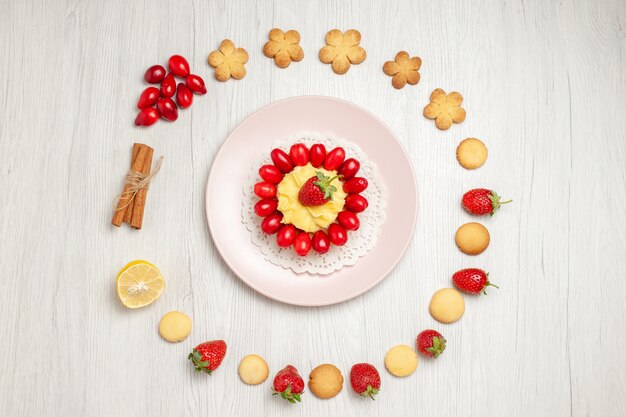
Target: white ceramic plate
{"points": [[282, 120]]}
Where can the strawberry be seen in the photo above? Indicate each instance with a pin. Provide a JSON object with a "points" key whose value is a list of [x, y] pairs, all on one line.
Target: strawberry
{"points": [[472, 280], [208, 356], [288, 384], [317, 191], [365, 380], [430, 343], [481, 201]]}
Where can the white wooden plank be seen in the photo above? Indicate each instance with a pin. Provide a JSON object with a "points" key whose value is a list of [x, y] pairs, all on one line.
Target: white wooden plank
{"points": [[544, 87]]}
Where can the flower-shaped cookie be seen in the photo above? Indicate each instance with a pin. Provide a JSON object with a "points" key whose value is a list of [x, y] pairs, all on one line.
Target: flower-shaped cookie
{"points": [[284, 47], [403, 69], [228, 61], [445, 108], [342, 49]]}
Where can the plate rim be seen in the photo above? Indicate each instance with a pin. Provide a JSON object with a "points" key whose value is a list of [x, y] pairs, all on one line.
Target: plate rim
{"points": [[342, 299]]}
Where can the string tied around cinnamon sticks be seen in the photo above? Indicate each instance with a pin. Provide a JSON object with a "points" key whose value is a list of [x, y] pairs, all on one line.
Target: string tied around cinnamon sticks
{"points": [[131, 202], [137, 181]]}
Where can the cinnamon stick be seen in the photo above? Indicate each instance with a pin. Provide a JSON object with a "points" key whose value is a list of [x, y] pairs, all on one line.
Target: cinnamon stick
{"points": [[124, 201], [128, 212], [140, 198]]}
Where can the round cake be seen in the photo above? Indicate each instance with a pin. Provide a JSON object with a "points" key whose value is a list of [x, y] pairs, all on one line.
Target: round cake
{"points": [[310, 197]]}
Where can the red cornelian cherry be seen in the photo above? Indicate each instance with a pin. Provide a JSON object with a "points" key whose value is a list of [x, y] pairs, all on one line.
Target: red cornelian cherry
{"points": [[299, 154], [356, 203], [148, 98], [178, 66], [154, 74], [337, 234], [302, 245], [147, 117], [349, 168], [195, 84], [272, 223], [286, 236], [349, 220], [168, 86], [321, 242], [281, 160], [317, 154], [355, 185], [167, 108], [265, 207], [184, 96]]}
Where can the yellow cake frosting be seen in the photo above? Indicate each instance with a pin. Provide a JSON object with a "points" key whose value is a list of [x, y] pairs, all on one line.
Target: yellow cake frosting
{"points": [[309, 219]]}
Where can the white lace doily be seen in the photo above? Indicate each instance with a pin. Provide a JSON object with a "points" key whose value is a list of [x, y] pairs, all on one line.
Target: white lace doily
{"points": [[359, 242]]}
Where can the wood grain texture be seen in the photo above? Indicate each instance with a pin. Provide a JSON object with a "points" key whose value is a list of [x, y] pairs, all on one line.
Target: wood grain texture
{"points": [[545, 88]]}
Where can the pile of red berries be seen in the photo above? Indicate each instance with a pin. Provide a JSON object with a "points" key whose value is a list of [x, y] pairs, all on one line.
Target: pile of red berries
{"points": [[157, 102], [288, 235]]}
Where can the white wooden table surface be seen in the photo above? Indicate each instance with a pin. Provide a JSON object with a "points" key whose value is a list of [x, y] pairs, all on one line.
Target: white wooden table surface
{"points": [[545, 88]]}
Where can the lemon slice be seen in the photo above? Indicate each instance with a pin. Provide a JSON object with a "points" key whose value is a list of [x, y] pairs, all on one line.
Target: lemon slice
{"points": [[139, 284]]}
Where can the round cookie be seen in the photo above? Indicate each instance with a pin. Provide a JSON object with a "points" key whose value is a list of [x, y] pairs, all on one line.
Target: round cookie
{"points": [[401, 360], [175, 326], [471, 153], [325, 381], [253, 369], [472, 238], [447, 305]]}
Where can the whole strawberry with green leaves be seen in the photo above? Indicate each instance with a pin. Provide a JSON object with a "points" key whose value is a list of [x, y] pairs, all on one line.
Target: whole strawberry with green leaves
{"points": [[208, 356], [288, 384], [430, 343], [481, 201], [365, 380], [317, 191], [472, 281]]}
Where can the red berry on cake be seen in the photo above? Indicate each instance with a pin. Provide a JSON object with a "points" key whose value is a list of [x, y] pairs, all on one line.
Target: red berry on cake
{"points": [[265, 189], [286, 236], [481, 201], [281, 160], [337, 234], [349, 220], [317, 154], [334, 159], [302, 245], [299, 154], [272, 223], [349, 168], [356, 203], [365, 380], [208, 356], [288, 384], [472, 281], [271, 174], [321, 242], [355, 185], [265, 207], [430, 343], [317, 190]]}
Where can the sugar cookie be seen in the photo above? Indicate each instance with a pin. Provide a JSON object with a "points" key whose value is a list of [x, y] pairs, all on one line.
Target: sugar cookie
{"points": [[284, 47], [472, 238], [228, 61], [175, 326], [471, 153], [253, 369], [447, 305], [403, 69], [342, 50], [325, 381], [401, 360], [445, 108]]}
